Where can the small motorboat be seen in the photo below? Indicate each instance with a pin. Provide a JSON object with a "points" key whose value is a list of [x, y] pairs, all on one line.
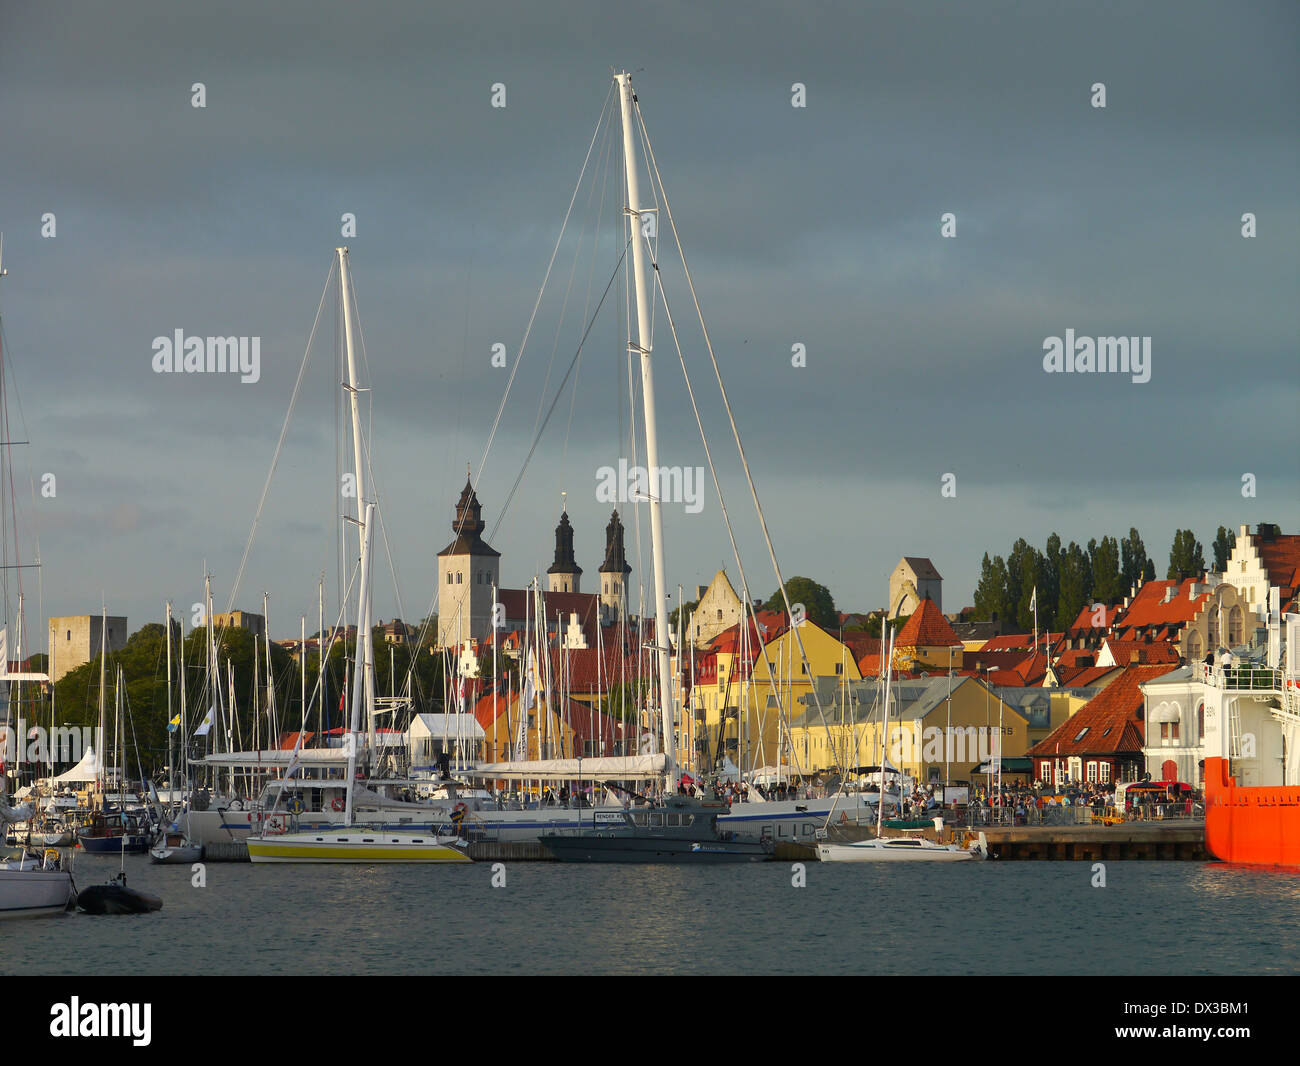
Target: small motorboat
{"points": [[116, 898]]}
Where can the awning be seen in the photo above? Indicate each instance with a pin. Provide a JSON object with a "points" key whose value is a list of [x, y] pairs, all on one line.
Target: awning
{"points": [[1010, 765], [612, 768]]}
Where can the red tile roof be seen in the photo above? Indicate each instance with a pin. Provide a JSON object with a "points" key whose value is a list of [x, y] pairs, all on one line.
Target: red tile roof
{"points": [[1281, 559], [1084, 620], [1083, 676], [1147, 654], [927, 628], [1111, 718], [1148, 607], [1022, 641]]}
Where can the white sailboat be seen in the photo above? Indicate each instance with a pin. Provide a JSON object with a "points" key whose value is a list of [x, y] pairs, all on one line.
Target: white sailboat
{"points": [[277, 842], [896, 849]]}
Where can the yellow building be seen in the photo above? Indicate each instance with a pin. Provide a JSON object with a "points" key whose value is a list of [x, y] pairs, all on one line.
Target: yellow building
{"points": [[763, 676], [937, 729]]}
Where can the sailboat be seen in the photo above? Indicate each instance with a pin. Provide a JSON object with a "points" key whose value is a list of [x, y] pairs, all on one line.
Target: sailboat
{"points": [[278, 841], [115, 897], [34, 885], [896, 849], [112, 830]]}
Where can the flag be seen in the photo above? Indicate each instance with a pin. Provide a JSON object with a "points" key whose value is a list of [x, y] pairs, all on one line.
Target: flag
{"points": [[1033, 599], [526, 697], [206, 724], [294, 760], [174, 724], [460, 695], [4, 651]]}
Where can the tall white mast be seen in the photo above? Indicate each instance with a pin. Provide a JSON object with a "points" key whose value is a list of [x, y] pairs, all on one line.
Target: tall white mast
{"points": [[365, 689], [363, 675], [642, 348]]}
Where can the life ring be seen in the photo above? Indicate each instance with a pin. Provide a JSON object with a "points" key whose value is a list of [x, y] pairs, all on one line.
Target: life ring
{"points": [[337, 805], [252, 817]]}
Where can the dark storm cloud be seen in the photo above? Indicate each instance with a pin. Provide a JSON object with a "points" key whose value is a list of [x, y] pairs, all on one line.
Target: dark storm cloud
{"points": [[817, 226]]}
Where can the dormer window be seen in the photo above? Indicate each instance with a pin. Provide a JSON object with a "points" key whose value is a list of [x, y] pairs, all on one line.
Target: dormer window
{"points": [[1082, 733]]}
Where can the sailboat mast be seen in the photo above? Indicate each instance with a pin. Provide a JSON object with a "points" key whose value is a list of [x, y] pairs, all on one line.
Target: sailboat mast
{"points": [[171, 767], [361, 673], [365, 656], [103, 680], [642, 347]]}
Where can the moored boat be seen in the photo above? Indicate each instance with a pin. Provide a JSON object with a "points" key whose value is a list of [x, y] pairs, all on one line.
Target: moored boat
{"points": [[352, 844], [683, 830]]}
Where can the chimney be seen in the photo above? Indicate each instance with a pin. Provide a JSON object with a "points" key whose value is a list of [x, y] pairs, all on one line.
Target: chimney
{"points": [[1133, 657]]}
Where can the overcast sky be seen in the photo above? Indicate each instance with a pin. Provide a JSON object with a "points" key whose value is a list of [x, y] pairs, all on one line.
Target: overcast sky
{"points": [[815, 225]]}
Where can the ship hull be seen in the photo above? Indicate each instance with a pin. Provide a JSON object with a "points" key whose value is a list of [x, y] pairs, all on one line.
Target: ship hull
{"points": [[646, 850], [1255, 825], [351, 847], [34, 893]]}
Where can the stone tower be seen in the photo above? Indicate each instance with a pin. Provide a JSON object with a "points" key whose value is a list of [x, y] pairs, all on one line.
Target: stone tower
{"points": [[468, 569], [613, 574], [565, 575]]}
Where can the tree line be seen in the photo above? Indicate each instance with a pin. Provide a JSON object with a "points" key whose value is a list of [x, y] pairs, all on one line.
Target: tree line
{"points": [[1067, 578]]}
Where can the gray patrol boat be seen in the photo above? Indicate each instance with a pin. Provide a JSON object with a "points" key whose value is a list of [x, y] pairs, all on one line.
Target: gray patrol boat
{"points": [[683, 829]]}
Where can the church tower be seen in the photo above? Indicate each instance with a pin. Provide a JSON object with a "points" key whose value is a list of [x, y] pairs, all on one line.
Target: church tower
{"points": [[565, 575], [613, 574], [468, 569]]}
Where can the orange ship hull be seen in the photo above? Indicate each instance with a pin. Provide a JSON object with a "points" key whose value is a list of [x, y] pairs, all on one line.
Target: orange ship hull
{"points": [[1250, 825]]}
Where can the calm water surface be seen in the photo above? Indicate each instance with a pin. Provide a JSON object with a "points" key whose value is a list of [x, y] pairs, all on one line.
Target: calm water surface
{"points": [[963, 918]]}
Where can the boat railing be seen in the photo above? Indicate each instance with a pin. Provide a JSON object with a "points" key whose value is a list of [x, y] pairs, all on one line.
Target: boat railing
{"points": [[1248, 677]]}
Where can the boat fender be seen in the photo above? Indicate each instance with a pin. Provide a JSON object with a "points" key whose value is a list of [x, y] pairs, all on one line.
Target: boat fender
{"points": [[236, 805]]}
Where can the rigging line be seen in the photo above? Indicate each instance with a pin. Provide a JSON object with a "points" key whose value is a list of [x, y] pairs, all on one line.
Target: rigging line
{"points": [[559, 391], [731, 418], [747, 611], [564, 304], [487, 448], [591, 280], [270, 474]]}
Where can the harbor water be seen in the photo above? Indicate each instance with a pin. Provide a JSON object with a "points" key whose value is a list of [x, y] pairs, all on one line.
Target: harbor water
{"points": [[554, 918]]}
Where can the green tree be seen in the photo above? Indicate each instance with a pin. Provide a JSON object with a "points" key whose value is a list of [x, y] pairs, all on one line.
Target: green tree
{"points": [[816, 599], [1052, 577], [1133, 558], [1107, 579], [1076, 584], [1027, 568], [1186, 557], [1224, 541], [991, 601], [689, 608]]}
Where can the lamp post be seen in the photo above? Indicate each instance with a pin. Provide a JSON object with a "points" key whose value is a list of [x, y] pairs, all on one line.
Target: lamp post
{"points": [[988, 724]]}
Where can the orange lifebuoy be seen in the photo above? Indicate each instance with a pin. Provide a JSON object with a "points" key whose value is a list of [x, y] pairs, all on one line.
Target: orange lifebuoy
{"points": [[337, 804]]}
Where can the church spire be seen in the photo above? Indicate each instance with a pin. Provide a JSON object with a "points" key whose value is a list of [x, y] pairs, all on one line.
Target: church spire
{"points": [[565, 573]]}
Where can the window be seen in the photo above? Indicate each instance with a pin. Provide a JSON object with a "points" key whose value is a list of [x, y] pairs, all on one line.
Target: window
{"points": [[1236, 627], [458, 577], [1173, 730], [1104, 769], [1092, 772], [719, 614], [1082, 733], [69, 634], [448, 578], [1200, 720], [839, 668]]}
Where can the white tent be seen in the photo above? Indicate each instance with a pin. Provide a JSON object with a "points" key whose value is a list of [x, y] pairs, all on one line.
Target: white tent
{"points": [[87, 770]]}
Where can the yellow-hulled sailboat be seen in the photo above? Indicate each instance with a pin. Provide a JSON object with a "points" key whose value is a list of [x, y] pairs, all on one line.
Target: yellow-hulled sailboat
{"points": [[278, 840]]}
